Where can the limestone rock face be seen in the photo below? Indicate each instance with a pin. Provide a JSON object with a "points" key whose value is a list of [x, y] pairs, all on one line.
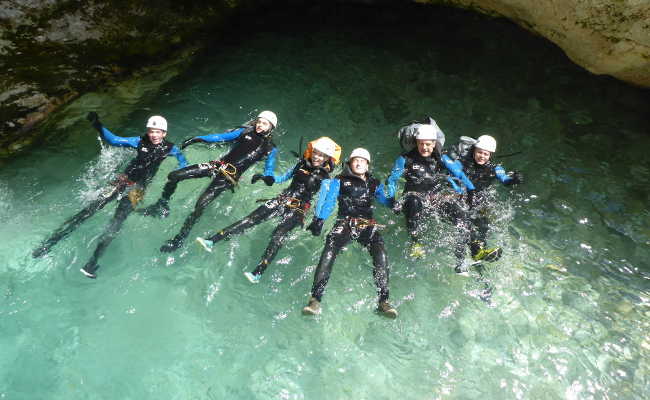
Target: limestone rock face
{"points": [[53, 50], [610, 37]]}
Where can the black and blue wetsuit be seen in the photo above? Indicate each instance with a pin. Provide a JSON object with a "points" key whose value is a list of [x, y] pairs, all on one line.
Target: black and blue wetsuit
{"points": [[355, 221], [291, 205], [248, 148], [429, 189], [128, 188], [478, 200]]}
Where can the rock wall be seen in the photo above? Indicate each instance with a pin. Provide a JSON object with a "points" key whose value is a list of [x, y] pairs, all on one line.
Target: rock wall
{"points": [[606, 37], [53, 50]]}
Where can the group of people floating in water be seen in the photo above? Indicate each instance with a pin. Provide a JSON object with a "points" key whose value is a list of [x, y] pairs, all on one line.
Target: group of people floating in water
{"points": [[452, 184]]}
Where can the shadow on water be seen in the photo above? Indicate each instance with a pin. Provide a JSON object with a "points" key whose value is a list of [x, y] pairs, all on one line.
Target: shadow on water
{"points": [[569, 311]]}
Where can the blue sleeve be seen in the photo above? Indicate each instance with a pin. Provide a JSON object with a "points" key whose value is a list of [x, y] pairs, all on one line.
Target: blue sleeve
{"points": [[269, 168], [182, 161], [456, 169], [329, 192], [395, 174], [501, 174], [222, 137], [380, 195], [119, 141]]}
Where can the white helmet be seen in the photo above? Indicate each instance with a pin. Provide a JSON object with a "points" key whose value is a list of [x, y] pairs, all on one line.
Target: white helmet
{"points": [[325, 146], [426, 132], [157, 122], [486, 142], [361, 153], [269, 116]]}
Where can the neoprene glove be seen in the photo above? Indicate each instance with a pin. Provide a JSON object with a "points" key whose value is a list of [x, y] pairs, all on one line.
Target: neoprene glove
{"points": [[94, 120], [189, 141], [516, 178], [268, 180], [316, 226]]}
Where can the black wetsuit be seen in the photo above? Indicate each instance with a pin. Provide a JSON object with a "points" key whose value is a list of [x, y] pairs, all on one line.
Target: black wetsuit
{"points": [[249, 148], [478, 201], [427, 191], [354, 222], [291, 206], [128, 188]]}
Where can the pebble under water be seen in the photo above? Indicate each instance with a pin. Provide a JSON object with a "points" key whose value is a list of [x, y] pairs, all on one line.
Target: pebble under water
{"points": [[569, 316]]}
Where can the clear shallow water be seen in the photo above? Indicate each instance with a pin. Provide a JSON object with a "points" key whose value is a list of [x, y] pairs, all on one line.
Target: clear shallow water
{"points": [[570, 311]]}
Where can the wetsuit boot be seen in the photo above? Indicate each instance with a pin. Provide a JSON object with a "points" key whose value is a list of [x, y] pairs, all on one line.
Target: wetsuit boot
{"points": [[480, 253], [385, 309], [205, 243], [312, 308], [89, 269]]}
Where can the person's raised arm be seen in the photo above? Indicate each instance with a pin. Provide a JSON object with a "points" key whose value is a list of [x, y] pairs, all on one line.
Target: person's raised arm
{"points": [[511, 178], [214, 138], [110, 137]]}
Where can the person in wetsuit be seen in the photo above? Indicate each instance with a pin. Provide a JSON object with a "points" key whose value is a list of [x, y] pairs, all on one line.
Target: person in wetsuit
{"points": [[291, 205], [427, 189], [251, 144], [477, 165], [355, 190], [128, 188]]}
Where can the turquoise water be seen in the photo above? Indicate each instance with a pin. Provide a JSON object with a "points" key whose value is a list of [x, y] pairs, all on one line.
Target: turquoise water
{"points": [[570, 311]]}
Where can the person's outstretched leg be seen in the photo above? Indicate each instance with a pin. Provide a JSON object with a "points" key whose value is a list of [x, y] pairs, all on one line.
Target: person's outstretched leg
{"points": [[380, 273], [161, 207], [259, 215], [124, 208], [333, 245], [278, 237], [458, 216], [478, 243], [218, 185], [72, 223], [413, 212]]}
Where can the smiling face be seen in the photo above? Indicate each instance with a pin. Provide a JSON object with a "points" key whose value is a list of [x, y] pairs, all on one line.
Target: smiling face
{"points": [[359, 166], [156, 136], [481, 157], [426, 147], [318, 158], [262, 125]]}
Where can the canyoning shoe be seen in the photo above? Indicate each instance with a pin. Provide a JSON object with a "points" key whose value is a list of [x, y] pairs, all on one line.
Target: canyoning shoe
{"points": [[40, 251], [89, 270], [160, 209], [417, 251], [489, 255], [312, 308], [171, 245], [252, 278], [461, 267], [385, 309], [205, 243]]}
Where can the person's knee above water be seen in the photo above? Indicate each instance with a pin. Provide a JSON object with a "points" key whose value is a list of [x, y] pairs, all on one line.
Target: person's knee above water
{"points": [[476, 160], [251, 144], [354, 190], [306, 176], [426, 177], [152, 148]]}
